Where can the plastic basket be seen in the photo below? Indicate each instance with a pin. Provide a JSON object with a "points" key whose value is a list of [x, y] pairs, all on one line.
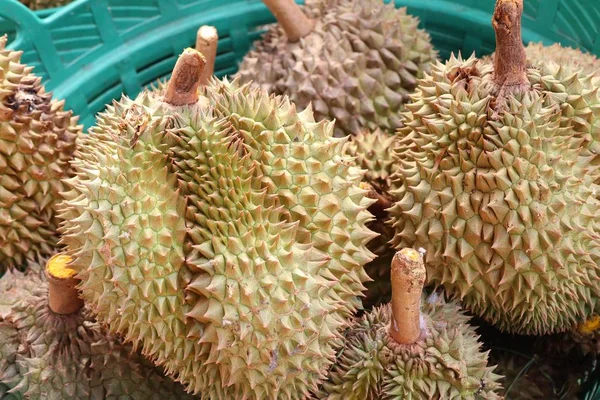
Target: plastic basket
{"points": [[9, 27], [91, 51]]}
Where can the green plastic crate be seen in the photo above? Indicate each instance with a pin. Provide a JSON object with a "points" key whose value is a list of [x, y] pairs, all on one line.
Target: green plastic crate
{"points": [[91, 51], [9, 27]]}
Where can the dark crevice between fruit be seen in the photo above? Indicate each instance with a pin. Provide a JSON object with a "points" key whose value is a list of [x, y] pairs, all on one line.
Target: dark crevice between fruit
{"points": [[384, 200]]}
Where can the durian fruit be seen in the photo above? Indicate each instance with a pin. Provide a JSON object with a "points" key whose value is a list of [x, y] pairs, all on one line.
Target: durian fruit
{"points": [[355, 61], [495, 183], [379, 288], [538, 54], [373, 152], [43, 4], [416, 347], [37, 140], [221, 232], [52, 348], [566, 62], [14, 285]]}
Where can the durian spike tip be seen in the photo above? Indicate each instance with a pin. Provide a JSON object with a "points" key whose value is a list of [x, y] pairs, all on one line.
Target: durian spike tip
{"points": [[185, 79], [408, 277], [291, 18]]}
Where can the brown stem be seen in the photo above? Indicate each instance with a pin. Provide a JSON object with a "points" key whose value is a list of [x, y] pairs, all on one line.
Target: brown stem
{"points": [[63, 297], [408, 278], [183, 85], [291, 18], [510, 62], [206, 43], [384, 201]]}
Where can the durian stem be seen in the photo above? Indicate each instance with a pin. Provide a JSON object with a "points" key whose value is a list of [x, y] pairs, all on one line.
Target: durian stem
{"points": [[408, 278], [291, 18], [184, 82], [206, 43], [379, 209], [63, 297], [510, 62]]}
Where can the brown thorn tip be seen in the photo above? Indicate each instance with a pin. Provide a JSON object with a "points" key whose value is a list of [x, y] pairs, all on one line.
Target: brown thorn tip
{"points": [[63, 297], [206, 43], [183, 85], [291, 18], [408, 277]]}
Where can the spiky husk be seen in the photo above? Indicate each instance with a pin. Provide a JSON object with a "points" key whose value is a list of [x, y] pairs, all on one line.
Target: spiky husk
{"points": [[538, 55], [379, 289], [14, 286], [37, 139], [43, 4], [373, 152], [446, 363], [244, 291], [52, 356], [505, 205], [358, 66]]}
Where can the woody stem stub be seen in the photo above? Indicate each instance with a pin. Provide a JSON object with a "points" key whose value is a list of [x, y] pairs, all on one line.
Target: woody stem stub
{"points": [[206, 43], [184, 82], [408, 278], [291, 18], [510, 62], [63, 297]]}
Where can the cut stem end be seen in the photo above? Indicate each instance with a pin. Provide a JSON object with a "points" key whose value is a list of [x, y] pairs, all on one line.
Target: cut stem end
{"points": [[206, 43], [184, 82], [63, 297], [408, 278], [291, 18]]}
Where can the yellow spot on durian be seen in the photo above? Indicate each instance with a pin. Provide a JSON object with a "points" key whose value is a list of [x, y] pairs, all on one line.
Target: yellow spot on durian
{"points": [[57, 266], [590, 326]]}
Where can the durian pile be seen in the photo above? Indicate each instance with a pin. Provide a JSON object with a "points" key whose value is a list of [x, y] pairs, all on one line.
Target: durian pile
{"points": [[346, 218]]}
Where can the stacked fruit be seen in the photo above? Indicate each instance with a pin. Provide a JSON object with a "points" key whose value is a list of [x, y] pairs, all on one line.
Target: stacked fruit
{"points": [[224, 229]]}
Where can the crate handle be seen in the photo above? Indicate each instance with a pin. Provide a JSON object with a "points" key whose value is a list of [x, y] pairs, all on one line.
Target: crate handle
{"points": [[30, 28]]}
